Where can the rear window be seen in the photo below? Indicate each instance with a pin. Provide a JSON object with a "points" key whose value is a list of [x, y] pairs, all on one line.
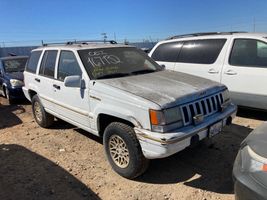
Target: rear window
{"points": [[201, 51], [167, 52], [32, 63], [48, 63]]}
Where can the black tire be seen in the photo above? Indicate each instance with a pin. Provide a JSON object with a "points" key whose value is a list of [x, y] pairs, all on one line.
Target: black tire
{"points": [[42, 118], [7, 96], [137, 163]]}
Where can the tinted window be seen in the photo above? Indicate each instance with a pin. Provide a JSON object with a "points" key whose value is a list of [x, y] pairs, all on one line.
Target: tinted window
{"points": [[68, 65], [167, 52], [32, 63], [48, 63], [248, 52], [201, 51]]}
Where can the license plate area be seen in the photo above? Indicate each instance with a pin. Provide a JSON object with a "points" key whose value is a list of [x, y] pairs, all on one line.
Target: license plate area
{"points": [[215, 129]]}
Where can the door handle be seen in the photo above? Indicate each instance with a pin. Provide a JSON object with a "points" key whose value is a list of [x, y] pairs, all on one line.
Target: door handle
{"points": [[213, 71], [37, 79], [230, 72], [56, 86]]}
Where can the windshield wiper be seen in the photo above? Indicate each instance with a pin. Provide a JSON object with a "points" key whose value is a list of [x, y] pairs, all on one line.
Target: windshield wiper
{"points": [[113, 75], [144, 71]]}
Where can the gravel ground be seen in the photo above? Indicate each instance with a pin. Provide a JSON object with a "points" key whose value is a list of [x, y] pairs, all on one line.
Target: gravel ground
{"points": [[65, 162]]}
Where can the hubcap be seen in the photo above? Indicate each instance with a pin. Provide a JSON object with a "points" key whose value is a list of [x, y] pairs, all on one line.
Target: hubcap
{"points": [[37, 111], [119, 151]]}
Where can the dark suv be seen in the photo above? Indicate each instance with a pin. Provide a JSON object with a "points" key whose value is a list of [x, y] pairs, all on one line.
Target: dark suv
{"points": [[11, 76]]}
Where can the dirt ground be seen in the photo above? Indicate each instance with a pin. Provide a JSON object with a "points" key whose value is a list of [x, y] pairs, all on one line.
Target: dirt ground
{"points": [[65, 162]]}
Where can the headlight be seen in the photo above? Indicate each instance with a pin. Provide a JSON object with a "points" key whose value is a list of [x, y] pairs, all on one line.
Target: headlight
{"points": [[252, 162], [16, 83], [225, 95], [165, 120]]}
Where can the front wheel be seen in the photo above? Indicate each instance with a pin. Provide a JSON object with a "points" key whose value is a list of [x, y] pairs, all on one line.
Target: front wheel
{"points": [[124, 151], [42, 118]]}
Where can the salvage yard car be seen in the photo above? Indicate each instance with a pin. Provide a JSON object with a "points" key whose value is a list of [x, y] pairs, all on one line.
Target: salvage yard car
{"points": [[250, 168], [11, 77], [236, 59], [117, 92]]}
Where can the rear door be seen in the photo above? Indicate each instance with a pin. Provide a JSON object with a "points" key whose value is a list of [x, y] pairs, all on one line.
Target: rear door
{"points": [[245, 72], [202, 58], [71, 102], [45, 79], [166, 54]]}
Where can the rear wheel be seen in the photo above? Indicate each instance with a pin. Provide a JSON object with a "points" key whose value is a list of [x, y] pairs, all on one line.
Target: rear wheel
{"points": [[42, 118], [124, 151]]}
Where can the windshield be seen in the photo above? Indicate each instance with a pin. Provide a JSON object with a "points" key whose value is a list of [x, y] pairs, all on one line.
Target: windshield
{"points": [[14, 65], [116, 62]]}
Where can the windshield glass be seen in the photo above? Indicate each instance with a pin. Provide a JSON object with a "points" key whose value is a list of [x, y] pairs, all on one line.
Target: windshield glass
{"points": [[14, 65], [116, 62]]}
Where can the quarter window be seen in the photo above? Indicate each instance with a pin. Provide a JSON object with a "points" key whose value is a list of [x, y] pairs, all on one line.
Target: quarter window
{"points": [[32, 63], [201, 51], [249, 52], [68, 65], [48, 63], [167, 52]]}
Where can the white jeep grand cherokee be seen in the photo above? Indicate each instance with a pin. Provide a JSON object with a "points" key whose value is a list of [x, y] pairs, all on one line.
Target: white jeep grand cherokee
{"points": [[117, 92]]}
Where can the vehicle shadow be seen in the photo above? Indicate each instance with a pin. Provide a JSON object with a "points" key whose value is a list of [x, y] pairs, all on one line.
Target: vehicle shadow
{"points": [[206, 167], [27, 175], [252, 114], [8, 115]]}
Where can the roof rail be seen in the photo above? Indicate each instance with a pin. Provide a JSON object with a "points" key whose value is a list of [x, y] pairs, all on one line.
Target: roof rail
{"points": [[203, 34], [79, 42]]}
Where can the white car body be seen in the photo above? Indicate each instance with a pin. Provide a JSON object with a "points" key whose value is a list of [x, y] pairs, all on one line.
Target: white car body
{"points": [[247, 84], [131, 104]]}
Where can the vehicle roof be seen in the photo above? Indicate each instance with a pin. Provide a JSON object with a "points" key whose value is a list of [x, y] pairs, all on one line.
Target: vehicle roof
{"points": [[82, 46], [13, 57], [214, 35]]}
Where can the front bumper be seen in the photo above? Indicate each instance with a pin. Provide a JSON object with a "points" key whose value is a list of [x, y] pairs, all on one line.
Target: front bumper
{"points": [[160, 145], [16, 93], [246, 187]]}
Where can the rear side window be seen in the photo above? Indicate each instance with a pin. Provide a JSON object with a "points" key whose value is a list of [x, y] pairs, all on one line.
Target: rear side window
{"points": [[47, 67], [201, 51], [167, 52], [68, 65], [32, 63], [249, 52]]}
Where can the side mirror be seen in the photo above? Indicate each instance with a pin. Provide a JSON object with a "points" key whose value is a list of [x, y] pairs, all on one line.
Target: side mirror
{"points": [[163, 66], [74, 81]]}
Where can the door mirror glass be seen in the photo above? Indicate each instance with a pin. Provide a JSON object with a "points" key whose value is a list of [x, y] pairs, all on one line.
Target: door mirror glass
{"points": [[74, 81]]}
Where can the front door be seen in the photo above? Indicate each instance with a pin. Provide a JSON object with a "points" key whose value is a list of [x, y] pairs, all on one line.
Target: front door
{"points": [[71, 102], [245, 73]]}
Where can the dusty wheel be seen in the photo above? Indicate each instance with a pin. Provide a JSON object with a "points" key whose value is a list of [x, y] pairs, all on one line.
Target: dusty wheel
{"points": [[123, 150], [7, 95], [42, 118]]}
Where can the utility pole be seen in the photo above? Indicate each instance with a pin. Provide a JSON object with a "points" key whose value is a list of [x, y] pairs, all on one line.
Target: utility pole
{"points": [[104, 36]]}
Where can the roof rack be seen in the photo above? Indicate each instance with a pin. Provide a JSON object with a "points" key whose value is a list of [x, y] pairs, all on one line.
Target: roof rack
{"points": [[203, 34], [79, 42]]}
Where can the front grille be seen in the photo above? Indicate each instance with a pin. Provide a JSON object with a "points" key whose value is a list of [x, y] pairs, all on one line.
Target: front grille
{"points": [[205, 106]]}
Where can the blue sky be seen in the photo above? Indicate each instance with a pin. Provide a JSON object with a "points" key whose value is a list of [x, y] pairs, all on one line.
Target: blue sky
{"points": [[34, 20]]}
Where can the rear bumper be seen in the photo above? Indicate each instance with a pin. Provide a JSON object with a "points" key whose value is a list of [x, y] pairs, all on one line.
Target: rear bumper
{"points": [[26, 93], [160, 145]]}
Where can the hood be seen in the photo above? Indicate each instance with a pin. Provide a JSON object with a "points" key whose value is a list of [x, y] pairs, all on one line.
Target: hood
{"points": [[15, 75], [166, 88], [257, 140]]}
